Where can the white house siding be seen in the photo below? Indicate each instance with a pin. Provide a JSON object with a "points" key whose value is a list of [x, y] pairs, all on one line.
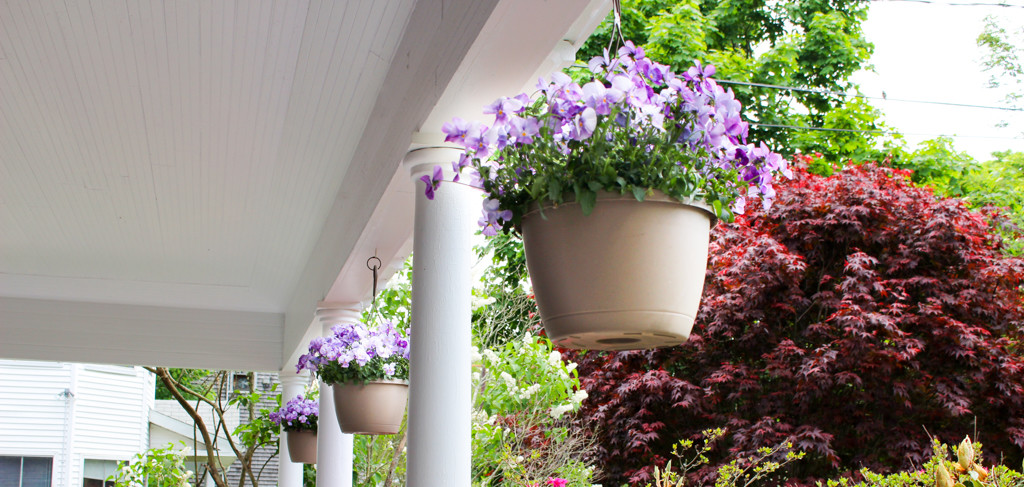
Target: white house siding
{"points": [[110, 414], [32, 411], [73, 412]]}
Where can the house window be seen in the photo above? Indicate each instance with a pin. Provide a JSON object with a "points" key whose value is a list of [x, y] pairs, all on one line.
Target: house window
{"points": [[96, 472], [241, 384], [25, 471]]}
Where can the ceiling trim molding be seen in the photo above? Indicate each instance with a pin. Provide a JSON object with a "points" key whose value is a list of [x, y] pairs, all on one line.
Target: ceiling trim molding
{"points": [[69, 331]]}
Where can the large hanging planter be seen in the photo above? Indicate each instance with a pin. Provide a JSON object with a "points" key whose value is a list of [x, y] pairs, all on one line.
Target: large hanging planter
{"points": [[302, 446], [627, 276], [373, 408]]}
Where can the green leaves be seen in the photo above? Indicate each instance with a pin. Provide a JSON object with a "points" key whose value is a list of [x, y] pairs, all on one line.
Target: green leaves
{"points": [[156, 467], [824, 46], [639, 193]]}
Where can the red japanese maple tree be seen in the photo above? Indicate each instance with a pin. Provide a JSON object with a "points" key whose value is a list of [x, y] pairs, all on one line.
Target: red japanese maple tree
{"points": [[856, 317]]}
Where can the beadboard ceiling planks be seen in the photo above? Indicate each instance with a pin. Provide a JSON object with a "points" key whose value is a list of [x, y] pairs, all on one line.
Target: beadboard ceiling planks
{"points": [[180, 182]]}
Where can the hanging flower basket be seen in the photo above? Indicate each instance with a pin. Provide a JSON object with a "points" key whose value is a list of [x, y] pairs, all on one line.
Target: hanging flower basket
{"points": [[561, 168], [368, 369], [301, 446], [373, 408], [628, 276], [298, 420]]}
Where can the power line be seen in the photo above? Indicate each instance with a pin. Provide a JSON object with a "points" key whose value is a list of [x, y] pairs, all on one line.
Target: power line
{"points": [[957, 4], [880, 132], [839, 93]]}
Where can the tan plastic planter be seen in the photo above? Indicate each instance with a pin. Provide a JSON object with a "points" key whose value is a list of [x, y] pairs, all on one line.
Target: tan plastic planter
{"points": [[302, 446], [628, 276], [374, 408]]}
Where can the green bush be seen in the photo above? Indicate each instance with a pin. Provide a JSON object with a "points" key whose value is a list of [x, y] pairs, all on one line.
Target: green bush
{"points": [[156, 467], [948, 467], [524, 397]]}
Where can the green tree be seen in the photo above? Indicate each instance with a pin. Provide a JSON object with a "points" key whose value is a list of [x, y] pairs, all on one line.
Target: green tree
{"points": [[1004, 58], [195, 379], [811, 46], [191, 393]]}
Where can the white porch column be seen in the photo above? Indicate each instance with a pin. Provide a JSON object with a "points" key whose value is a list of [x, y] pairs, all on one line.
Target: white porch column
{"points": [[440, 444], [293, 384], [334, 449]]}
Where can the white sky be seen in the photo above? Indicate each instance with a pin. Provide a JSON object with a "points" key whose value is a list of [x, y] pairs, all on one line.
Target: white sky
{"points": [[928, 51]]}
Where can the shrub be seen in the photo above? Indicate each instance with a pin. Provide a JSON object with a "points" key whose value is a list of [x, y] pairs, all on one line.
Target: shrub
{"points": [[856, 313]]}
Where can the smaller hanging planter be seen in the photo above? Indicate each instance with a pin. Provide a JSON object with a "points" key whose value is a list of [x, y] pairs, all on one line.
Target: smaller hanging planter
{"points": [[298, 420], [301, 446], [373, 408]]}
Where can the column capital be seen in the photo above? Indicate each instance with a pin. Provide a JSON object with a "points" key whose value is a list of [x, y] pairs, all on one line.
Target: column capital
{"points": [[289, 377], [332, 313], [422, 160]]}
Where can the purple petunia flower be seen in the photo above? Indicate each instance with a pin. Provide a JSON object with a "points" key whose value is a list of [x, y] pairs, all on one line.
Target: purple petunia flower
{"points": [[634, 100], [297, 414], [433, 182]]}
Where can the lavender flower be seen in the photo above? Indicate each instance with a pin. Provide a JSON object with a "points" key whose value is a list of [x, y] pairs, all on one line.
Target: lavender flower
{"points": [[355, 352], [687, 125], [297, 414]]}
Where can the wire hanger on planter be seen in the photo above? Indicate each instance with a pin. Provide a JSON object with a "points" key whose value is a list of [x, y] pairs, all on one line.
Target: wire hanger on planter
{"points": [[616, 33], [374, 264]]}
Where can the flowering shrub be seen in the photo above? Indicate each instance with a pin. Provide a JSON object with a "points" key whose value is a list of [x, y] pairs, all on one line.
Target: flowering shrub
{"points": [[353, 352], [298, 414], [156, 467], [637, 128], [524, 395]]}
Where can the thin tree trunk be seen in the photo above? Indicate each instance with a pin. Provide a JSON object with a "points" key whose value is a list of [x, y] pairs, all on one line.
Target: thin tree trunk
{"points": [[395, 458], [211, 456]]}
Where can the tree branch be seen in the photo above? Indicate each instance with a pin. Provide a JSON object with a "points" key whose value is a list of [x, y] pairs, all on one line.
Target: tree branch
{"points": [[211, 456]]}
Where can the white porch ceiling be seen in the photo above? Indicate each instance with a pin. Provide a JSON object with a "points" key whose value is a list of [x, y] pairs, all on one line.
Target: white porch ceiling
{"points": [[181, 182]]}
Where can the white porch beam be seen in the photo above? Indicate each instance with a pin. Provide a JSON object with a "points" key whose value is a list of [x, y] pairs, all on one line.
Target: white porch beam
{"points": [[440, 444]]}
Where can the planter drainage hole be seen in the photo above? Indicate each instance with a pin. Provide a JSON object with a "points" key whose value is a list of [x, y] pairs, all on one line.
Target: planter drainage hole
{"points": [[617, 341]]}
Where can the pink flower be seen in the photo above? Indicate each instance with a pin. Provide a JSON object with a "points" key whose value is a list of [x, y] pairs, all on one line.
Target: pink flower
{"points": [[557, 482]]}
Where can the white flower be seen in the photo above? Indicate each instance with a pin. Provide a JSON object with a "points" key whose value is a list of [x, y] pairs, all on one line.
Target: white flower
{"points": [[509, 380], [528, 339], [475, 355], [555, 358], [479, 302], [571, 367], [579, 396], [558, 411], [490, 356], [529, 391]]}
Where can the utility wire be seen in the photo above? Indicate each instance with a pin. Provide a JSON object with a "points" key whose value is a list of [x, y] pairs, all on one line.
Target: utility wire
{"points": [[839, 93], [881, 132], [957, 4]]}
